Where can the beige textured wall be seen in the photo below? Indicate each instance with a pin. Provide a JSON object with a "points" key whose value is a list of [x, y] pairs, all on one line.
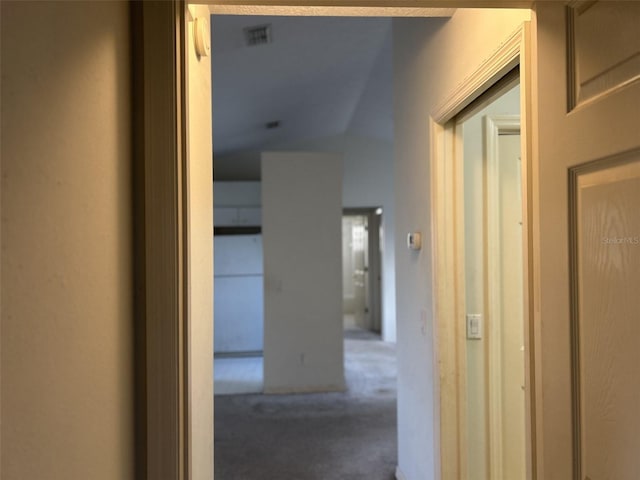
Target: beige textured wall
{"points": [[201, 256], [66, 364]]}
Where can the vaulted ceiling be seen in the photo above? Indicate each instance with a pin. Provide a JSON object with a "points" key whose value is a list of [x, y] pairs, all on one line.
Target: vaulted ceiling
{"points": [[319, 77]]}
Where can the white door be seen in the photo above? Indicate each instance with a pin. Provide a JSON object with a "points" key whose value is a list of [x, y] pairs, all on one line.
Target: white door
{"points": [[586, 221], [510, 344], [355, 271]]}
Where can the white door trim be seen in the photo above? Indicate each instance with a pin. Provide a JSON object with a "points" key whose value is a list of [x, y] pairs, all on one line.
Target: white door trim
{"points": [[166, 403], [448, 254], [448, 271], [502, 61], [162, 315]]}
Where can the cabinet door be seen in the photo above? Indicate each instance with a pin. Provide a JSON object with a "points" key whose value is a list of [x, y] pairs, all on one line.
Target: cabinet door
{"points": [[225, 216], [249, 216]]}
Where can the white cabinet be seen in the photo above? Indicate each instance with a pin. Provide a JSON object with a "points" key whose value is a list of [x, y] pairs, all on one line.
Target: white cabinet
{"points": [[238, 294], [250, 216], [223, 216], [237, 216], [236, 255]]}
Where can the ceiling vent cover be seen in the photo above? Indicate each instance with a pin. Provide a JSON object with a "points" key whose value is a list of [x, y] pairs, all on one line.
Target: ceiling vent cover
{"points": [[258, 35]]}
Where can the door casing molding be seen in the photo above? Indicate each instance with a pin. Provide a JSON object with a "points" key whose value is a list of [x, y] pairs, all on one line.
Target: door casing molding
{"points": [[159, 204], [448, 252]]}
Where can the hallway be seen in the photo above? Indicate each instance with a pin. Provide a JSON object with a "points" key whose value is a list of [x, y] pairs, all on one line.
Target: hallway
{"points": [[347, 436]]}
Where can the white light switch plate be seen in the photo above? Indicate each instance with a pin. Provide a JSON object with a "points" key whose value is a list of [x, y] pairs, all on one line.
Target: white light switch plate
{"points": [[474, 326]]}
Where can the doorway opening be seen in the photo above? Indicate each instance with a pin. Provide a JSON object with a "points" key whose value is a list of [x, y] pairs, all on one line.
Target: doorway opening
{"points": [[489, 146], [434, 189], [362, 269], [302, 129]]}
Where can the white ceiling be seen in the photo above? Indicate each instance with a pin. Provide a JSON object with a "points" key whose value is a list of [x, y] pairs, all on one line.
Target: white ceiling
{"points": [[321, 76]]}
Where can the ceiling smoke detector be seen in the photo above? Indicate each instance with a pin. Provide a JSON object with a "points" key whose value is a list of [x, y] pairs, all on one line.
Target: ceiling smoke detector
{"points": [[257, 35]]}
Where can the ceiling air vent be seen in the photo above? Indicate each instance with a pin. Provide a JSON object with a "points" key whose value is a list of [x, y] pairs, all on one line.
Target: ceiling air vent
{"points": [[258, 35]]}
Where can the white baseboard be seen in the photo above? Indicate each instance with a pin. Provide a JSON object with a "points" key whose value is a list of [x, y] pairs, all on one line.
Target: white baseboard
{"points": [[399, 474]]}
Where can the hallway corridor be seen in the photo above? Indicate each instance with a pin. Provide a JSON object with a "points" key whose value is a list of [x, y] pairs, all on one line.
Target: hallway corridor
{"points": [[328, 436]]}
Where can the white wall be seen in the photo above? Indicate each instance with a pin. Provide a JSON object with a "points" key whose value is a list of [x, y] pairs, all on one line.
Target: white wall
{"points": [[431, 57], [67, 307], [237, 194], [200, 257], [302, 211], [368, 182]]}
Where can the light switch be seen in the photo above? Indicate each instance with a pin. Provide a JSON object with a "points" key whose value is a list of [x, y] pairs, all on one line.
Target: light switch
{"points": [[474, 326]]}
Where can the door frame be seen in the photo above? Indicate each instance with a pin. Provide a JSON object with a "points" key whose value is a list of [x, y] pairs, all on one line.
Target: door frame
{"points": [[160, 213], [448, 252], [495, 125], [160, 210]]}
